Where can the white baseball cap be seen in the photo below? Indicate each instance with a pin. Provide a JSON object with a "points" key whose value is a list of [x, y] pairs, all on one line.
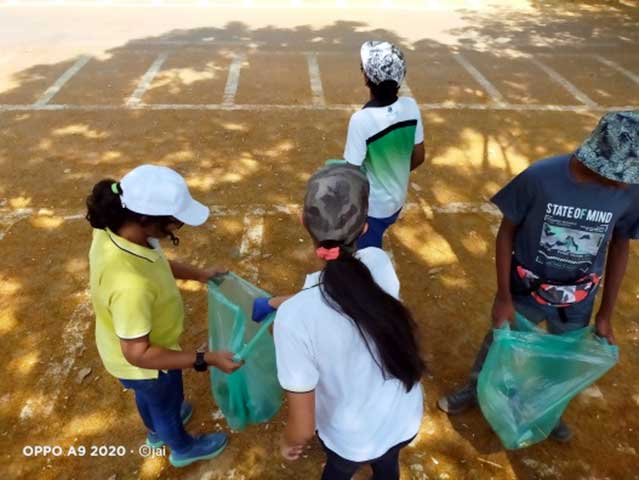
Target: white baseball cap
{"points": [[159, 191]]}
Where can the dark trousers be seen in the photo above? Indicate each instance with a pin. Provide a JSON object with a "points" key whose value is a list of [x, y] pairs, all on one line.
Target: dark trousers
{"points": [[385, 467], [159, 402], [558, 321], [375, 233]]}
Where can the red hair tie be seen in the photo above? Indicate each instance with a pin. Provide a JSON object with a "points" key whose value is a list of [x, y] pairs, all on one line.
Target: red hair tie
{"points": [[327, 253]]}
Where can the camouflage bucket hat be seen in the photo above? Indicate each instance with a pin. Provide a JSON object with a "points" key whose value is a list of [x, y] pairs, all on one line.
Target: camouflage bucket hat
{"points": [[612, 150], [383, 61], [336, 203]]}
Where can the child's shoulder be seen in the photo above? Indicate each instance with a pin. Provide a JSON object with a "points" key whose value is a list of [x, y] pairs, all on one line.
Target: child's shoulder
{"points": [[308, 294], [373, 255], [548, 166], [381, 267], [362, 113], [410, 101], [370, 110], [299, 306]]}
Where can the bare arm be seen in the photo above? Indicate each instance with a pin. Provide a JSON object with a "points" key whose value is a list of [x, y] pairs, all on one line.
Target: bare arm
{"points": [[184, 271], [275, 302], [503, 309], [418, 156], [300, 426], [618, 251], [141, 353]]}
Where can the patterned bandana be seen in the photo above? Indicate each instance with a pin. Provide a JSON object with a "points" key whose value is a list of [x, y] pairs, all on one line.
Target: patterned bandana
{"points": [[612, 150], [336, 203], [383, 61]]}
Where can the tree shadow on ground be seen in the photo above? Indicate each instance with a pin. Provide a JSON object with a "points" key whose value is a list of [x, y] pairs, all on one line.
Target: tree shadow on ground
{"points": [[239, 159]]}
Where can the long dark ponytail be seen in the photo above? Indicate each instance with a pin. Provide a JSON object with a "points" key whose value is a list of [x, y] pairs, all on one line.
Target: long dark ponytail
{"points": [[348, 286], [105, 210]]}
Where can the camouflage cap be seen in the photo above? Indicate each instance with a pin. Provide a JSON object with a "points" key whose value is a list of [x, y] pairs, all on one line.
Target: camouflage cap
{"points": [[336, 203], [612, 150]]}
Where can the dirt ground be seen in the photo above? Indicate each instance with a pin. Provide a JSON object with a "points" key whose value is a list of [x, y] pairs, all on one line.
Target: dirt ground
{"points": [[249, 159]]}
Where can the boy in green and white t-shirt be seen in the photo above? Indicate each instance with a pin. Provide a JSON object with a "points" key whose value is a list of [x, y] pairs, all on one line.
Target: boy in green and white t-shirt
{"points": [[386, 137]]}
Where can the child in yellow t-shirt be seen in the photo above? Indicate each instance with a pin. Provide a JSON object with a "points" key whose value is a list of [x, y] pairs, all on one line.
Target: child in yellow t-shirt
{"points": [[138, 307]]}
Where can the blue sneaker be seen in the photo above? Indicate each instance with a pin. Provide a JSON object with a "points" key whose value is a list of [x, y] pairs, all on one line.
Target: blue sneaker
{"points": [[186, 412], [204, 447]]}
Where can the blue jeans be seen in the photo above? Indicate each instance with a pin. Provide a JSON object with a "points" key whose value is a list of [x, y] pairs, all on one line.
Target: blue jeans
{"points": [[558, 321], [159, 402], [375, 233]]}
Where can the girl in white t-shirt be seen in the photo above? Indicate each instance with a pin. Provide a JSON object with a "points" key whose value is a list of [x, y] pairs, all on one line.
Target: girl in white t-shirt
{"points": [[346, 349]]}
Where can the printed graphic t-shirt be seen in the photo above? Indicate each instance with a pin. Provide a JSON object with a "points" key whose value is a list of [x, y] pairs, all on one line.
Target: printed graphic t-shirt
{"points": [[564, 226], [359, 414], [382, 140]]}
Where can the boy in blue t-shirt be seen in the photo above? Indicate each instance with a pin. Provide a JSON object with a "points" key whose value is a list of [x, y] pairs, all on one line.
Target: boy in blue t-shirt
{"points": [[561, 216]]}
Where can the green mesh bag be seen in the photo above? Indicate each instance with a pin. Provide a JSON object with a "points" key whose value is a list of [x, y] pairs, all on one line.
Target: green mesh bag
{"points": [[530, 376], [252, 393]]}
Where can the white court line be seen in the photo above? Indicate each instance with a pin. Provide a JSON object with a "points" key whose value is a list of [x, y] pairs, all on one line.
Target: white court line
{"points": [[405, 90], [8, 220], [467, 207], [316, 79], [453, 208], [574, 91], [515, 107], [477, 75], [64, 78], [619, 68], [254, 43], [251, 245], [233, 79], [136, 97], [294, 209], [194, 43], [77, 216], [52, 379], [254, 210], [254, 214], [578, 54]]}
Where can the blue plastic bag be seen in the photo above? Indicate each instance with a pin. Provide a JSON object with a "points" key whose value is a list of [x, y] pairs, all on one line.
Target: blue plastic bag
{"points": [[530, 376], [252, 393]]}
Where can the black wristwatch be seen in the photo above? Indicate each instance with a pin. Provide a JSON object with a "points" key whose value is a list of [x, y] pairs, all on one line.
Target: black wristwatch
{"points": [[200, 365]]}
